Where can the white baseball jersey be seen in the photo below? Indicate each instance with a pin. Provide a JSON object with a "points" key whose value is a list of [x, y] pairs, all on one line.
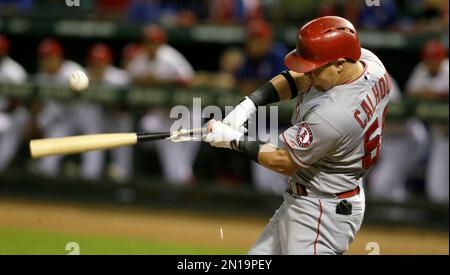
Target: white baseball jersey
{"points": [[59, 118], [421, 79], [115, 77], [54, 110], [336, 135], [12, 124], [118, 121], [437, 175], [62, 76], [11, 72], [388, 178], [169, 64]]}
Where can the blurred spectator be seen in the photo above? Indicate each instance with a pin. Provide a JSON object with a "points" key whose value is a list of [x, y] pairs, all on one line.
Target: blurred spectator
{"points": [[101, 72], [409, 10], [230, 62], [429, 81], [15, 5], [129, 52], [100, 68], [403, 15], [233, 11], [433, 15], [144, 11], [13, 116], [384, 16], [112, 8], [58, 119], [160, 64], [264, 60], [11, 72], [349, 9], [291, 11], [184, 13], [397, 161], [186, 18]]}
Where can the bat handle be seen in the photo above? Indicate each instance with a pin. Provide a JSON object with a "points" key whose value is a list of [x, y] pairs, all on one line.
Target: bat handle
{"points": [[143, 137], [175, 136]]}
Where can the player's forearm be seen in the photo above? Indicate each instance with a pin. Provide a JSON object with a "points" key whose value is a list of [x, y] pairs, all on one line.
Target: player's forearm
{"points": [[277, 160], [269, 156], [284, 86]]}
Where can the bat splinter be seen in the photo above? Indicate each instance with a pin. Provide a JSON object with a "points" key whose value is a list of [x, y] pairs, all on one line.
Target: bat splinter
{"points": [[85, 143]]}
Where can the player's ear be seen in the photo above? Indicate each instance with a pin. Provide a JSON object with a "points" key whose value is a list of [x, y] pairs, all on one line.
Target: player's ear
{"points": [[340, 64]]}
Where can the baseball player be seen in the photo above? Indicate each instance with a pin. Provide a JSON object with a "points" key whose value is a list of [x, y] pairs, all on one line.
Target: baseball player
{"points": [[160, 64], [129, 52], [102, 72], [429, 81], [58, 118], [342, 92], [13, 116]]}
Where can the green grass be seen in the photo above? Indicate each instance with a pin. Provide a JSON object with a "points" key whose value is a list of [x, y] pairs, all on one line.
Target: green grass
{"points": [[24, 241]]}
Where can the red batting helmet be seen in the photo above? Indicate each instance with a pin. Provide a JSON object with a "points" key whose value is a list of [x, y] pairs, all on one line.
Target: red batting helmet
{"points": [[322, 41], [4, 45], [154, 33], [100, 54], [50, 47], [434, 50]]}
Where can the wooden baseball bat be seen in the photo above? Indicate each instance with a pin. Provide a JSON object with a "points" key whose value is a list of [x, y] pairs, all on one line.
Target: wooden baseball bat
{"points": [[80, 144]]}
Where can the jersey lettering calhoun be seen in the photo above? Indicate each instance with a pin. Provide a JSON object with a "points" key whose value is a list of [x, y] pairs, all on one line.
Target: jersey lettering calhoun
{"points": [[380, 90]]}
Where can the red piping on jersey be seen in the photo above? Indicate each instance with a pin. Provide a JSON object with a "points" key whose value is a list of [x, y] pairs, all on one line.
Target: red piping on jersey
{"points": [[363, 73], [285, 141], [300, 101], [297, 110], [318, 228]]}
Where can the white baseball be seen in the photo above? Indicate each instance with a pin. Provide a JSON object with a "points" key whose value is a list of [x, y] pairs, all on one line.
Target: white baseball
{"points": [[79, 81]]}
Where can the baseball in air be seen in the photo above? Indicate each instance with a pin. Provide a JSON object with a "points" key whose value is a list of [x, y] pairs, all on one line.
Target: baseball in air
{"points": [[79, 81]]}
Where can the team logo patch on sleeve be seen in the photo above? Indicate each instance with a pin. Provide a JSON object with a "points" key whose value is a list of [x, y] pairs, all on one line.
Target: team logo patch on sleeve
{"points": [[304, 135]]}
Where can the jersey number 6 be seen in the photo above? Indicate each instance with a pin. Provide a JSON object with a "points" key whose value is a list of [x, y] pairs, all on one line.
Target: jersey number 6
{"points": [[372, 144]]}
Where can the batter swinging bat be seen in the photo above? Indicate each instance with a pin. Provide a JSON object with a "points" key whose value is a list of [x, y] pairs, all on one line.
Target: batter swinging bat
{"points": [[80, 144]]}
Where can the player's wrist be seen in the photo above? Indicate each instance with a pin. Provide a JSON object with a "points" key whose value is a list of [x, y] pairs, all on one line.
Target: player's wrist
{"points": [[247, 148], [248, 106], [235, 135]]}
